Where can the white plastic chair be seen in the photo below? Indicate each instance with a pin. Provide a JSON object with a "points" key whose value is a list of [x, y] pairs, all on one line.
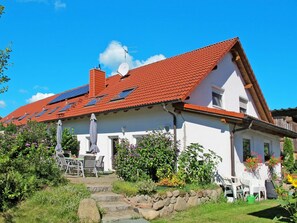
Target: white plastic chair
{"points": [[255, 186]]}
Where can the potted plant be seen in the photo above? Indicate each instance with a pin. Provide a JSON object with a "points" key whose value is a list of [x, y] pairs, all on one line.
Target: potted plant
{"points": [[253, 162]]}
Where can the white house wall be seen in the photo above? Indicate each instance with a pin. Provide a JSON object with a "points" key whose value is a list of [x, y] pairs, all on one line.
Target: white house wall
{"points": [[132, 122], [257, 145], [209, 132], [228, 78]]}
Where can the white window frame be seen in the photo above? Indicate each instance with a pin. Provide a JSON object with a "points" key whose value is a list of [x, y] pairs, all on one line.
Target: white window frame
{"points": [[219, 91], [243, 103], [138, 136]]}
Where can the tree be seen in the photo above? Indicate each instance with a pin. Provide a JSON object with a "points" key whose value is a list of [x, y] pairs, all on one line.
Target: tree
{"points": [[288, 154], [4, 57]]}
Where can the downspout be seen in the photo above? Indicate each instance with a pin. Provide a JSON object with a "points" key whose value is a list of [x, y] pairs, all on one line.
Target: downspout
{"points": [[174, 132], [232, 145]]}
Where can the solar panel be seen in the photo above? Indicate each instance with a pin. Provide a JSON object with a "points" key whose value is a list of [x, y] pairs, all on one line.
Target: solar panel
{"points": [[41, 113], [71, 94], [66, 107], [123, 94]]}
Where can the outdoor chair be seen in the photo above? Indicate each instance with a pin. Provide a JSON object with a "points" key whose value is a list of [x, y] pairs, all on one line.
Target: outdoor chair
{"points": [[255, 187], [232, 187], [88, 165], [100, 163], [66, 165]]}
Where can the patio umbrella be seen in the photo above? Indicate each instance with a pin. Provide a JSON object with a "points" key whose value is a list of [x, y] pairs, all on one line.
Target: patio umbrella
{"points": [[93, 134], [59, 136]]}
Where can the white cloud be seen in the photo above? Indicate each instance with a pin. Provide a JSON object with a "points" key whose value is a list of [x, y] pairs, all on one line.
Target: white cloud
{"points": [[23, 91], [40, 87], [59, 4], [2, 104], [115, 54], [38, 97]]}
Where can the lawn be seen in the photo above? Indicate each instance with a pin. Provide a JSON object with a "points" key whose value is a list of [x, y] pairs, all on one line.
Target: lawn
{"points": [[263, 211]]}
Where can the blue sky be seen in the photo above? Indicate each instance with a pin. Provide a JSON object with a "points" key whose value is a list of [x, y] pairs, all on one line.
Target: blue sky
{"points": [[56, 42]]}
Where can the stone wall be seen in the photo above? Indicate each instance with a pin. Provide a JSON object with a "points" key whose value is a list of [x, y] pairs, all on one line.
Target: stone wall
{"points": [[158, 205]]}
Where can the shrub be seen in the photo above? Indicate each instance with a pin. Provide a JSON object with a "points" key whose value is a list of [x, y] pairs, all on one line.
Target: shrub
{"points": [[172, 181], [196, 165], [154, 152], [26, 163], [288, 149], [69, 141], [146, 187]]}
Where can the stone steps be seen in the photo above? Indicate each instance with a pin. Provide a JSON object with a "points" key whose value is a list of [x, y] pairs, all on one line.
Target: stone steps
{"points": [[106, 197], [115, 206], [128, 216], [99, 188]]}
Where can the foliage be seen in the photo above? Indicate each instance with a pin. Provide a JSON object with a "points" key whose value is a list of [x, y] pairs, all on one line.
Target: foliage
{"points": [[196, 165], [288, 198], [274, 161], [69, 141], [54, 204], [124, 187], [4, 58], [146, 187], [253, 162], [26, 163], [172, 181], [288, 150], [154, 152]]}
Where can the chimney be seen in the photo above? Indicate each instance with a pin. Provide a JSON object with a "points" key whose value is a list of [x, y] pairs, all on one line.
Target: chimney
{"points": [[97, 82]]}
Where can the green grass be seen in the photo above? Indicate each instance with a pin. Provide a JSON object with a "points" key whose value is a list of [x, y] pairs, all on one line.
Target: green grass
{"points": [[263, 211], [124, 187], [56, 204]]}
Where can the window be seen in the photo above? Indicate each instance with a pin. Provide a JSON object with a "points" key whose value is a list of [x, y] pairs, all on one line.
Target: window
{"points": [[41, 113], [246, 146], [22, 117], [94, 101], [123, 94], [267, 152], [217, 97], [243, 105], [52, 111], [66, 107]]}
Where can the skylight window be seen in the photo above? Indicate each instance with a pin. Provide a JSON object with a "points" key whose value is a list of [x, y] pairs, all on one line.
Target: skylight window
{"points": [[123, 94], [52, 111], [22, 117], [41, 113], [94, 101], [33, 115], [66, 107]]}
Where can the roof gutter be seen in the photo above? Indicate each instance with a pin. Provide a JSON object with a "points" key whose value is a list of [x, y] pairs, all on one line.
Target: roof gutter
{"points": [[174, 132]]}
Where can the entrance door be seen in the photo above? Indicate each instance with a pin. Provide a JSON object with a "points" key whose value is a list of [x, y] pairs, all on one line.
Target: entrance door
{"points": [[114, 143]]}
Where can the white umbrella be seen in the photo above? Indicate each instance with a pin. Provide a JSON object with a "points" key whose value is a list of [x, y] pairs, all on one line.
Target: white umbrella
{"points": [[59, 136], [93, 134]]}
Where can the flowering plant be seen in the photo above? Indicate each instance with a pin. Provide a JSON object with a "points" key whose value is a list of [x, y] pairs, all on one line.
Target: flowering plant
{"points": [[252, 163], [273, 161], [288, 198]]}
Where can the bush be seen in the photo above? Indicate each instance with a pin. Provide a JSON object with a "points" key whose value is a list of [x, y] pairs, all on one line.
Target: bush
{"points": [[154, 152], [26, 163], [288, 149], [146, 187], [69, 141], [172, 181], [196, 165]]}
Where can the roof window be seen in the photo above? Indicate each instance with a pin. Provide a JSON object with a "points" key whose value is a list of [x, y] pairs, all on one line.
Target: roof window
{"points": [[22, 117], [41, 113], [66, 107], [52, 111], [123, 94], [94, 101]]}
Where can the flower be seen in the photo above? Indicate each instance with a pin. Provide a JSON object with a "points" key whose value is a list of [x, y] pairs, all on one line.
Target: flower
{"points": [[294, 183], [290, 178], [252, 163], [273, 161]]}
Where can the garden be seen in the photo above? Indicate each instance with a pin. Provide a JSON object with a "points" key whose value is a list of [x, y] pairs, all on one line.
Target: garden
{"points": [[30, 177]]}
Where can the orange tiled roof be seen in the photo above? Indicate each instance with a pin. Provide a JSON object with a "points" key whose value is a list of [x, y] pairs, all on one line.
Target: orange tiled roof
{"points": [[172, 79]]}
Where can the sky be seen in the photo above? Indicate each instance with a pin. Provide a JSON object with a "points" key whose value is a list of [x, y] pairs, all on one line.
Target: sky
{"points": [[56, 42]]}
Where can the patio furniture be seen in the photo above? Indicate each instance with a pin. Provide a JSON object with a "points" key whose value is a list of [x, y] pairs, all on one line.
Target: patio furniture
{"points": [[88, 165], [255, 187], [100, 163], [66, 163], [232, 187]]}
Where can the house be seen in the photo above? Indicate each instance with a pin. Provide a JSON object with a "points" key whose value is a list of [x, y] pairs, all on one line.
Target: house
{"points": [[286, 118], [208, 96]]}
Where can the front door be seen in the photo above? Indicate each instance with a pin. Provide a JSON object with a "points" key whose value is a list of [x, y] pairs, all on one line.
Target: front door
{"points": [[114, 143]]}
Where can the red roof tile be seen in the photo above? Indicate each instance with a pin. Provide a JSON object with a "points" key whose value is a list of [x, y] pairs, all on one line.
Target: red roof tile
{"points": [[172, 79]]}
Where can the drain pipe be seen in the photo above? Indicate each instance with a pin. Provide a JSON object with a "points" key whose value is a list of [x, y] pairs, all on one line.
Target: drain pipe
{"points": [[232, 145], [174, 132]]}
